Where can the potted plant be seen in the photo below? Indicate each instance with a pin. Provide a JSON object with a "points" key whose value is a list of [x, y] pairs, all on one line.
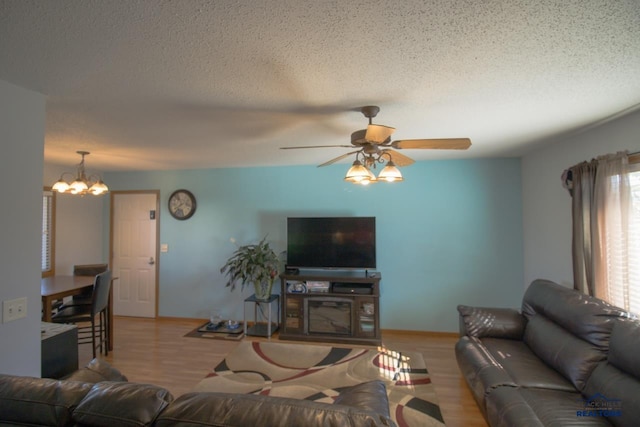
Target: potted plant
{"points": [[255, 264]]}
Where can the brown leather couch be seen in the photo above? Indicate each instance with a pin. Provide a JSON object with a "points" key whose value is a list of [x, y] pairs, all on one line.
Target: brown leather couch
{"points": [[99, 395], [565, 359]]}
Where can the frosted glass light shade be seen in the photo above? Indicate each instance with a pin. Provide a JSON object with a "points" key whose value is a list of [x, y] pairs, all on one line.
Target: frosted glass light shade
{"points": [[78, 186], [390, 173], [98, 188], [357, 172], [60, 186]]}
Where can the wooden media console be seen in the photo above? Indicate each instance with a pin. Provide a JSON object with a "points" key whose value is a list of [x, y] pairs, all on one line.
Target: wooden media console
{"points": [[338, 307]]}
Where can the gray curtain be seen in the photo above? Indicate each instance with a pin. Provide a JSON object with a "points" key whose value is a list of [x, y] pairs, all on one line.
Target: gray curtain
{"points": [[582, 210], [582, 180]]}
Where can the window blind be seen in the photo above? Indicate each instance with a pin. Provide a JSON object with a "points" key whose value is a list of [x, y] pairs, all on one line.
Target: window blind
{"points": [[621, 234], [47, 231]]}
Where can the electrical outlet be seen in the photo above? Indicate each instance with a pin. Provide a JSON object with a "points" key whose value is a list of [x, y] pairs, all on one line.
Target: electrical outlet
{"points": [[14, 309]]}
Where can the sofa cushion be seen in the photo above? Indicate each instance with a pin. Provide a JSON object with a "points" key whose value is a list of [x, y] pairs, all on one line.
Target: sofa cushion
{"points": [[121, 404], [574, 358], [97, 370], [39, 401], [490, 363], [491, 322], [229, 410], [589, 318], [618, 380], [524, 367], [522, 407], [625, 347], [616, 390]]}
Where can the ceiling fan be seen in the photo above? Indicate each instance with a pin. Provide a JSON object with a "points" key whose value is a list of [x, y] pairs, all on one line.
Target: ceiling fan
{"points": [[374, 145]]}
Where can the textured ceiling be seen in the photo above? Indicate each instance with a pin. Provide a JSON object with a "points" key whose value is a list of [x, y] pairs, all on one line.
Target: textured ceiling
{"points": [[198, 84]]}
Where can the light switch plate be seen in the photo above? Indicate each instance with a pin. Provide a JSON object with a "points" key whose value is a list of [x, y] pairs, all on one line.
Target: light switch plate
{"points": [[14, 309], [21, 308], [7, 311]]}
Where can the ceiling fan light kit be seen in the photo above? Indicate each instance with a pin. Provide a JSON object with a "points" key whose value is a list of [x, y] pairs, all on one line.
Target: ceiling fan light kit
{"points": [[374, 144], [81, 185], [360, 173]]}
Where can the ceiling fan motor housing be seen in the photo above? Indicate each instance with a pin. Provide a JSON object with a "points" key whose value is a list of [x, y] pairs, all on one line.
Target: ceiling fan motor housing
{"points": [[370, 111], [358, 137]]}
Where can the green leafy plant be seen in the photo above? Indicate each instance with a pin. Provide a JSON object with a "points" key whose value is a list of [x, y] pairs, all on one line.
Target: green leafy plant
{"points": [[255, 264]]}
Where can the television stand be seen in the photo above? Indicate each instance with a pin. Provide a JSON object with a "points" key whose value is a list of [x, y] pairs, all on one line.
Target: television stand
{"points": [[342, 307]]}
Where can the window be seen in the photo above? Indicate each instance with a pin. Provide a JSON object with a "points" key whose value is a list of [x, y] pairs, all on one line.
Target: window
{"points": [[621, 226], [48, 232], [633, 239]]}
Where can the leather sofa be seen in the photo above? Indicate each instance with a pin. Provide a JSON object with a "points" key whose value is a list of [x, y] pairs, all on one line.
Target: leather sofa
{"points": [[565, 359], [99, 395]]}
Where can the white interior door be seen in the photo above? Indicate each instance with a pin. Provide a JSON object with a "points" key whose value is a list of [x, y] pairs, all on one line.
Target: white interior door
{"points": [[134, 254]]}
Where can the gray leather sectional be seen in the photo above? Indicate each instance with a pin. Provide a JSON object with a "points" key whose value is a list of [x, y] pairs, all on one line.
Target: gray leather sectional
{"points": [[99, 395], [564, 359]]}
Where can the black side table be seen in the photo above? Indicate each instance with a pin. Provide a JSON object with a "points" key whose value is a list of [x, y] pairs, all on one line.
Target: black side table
{"points": [[59, 350], [264, 322]]}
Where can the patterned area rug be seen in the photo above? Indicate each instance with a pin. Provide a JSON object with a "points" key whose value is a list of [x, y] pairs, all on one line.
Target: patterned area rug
{"points": [[318, 373]]}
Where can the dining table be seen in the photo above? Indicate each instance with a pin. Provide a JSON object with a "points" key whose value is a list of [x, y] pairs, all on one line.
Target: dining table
{"points": [[54, 288]]}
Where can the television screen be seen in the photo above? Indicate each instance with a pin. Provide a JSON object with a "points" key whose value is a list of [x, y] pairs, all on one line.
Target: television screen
{"points": [[331, 242]]}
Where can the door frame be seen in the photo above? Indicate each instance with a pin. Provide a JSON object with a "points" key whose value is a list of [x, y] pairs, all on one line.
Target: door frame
{"points": [[112, 195]]}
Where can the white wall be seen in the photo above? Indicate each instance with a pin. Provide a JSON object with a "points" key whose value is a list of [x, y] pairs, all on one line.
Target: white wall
{"points": [[547, 205], [79, 224], [22, 123]]}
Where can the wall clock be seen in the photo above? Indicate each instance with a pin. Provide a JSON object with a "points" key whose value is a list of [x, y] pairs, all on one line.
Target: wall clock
{"points": [[182, 204]]}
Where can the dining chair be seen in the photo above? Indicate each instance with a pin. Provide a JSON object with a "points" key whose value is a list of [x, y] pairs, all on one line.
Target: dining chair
{"points": [[84, 270], [87, 313]]}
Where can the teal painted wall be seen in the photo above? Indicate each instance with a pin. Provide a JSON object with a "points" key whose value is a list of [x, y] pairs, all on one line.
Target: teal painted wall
{"points": [[451, 233]]}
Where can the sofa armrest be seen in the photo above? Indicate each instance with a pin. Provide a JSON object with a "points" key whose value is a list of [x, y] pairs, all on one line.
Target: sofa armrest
{"points": [[482, 322], [96, 371]]}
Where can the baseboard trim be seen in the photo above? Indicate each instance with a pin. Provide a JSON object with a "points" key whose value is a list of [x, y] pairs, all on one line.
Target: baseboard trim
{"points": [[391, 331], [181, 319]]}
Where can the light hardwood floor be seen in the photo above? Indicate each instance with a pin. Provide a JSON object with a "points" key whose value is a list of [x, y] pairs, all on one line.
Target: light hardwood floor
{"points": [[155, 351]]}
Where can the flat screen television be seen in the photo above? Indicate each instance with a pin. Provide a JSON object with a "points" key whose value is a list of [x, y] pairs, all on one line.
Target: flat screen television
{"points": [[331, 242]]}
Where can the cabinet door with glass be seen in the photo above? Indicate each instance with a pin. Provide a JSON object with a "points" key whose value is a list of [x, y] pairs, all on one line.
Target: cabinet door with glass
{"points": [[293, 314], [366, 317]]}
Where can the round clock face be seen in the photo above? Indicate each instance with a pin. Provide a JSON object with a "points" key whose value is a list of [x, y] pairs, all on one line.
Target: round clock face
{"points": [[182, 204]]}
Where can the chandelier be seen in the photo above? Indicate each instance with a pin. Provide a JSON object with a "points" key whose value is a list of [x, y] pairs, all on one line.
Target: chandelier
{"points": [[81, 185], [360, 172]]}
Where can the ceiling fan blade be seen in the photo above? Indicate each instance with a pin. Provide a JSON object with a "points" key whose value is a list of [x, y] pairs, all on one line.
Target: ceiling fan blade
{"points": [[378, 133], [399, 159], [316, 146], [332, 161], [442, 143]]}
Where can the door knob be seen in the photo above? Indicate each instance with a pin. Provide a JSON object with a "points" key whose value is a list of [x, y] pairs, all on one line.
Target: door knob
{"points": [[151, 261]]}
